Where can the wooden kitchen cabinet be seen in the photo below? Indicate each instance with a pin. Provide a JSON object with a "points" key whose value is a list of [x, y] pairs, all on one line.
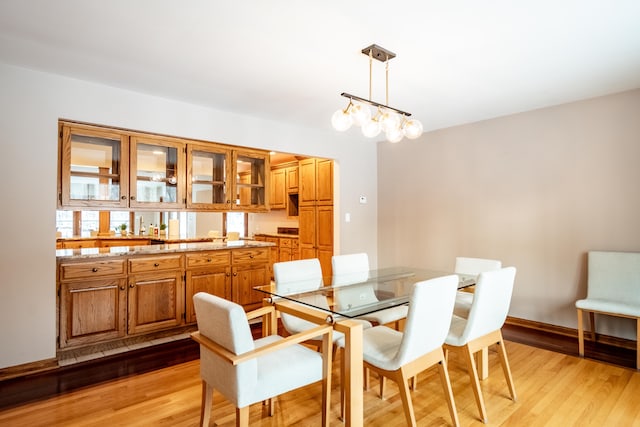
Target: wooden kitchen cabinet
{"points": [[249, 269], [208, 272], [93, 167], [251, 183], [93, 302], [108, 168], [157, 173], [316, 211], [278, 189], [208, 177], [156, 293]]}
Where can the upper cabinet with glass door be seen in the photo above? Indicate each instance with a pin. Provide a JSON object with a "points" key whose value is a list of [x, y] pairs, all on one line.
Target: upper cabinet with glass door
{"points": [[251, 172], [93, 169], [157, 173], [208, 177]]}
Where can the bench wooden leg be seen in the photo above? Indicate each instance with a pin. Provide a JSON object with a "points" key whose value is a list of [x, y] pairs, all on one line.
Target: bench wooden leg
{"points": [[580, 334]]}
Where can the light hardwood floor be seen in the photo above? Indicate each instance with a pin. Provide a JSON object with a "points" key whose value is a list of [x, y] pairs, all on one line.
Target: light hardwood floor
{"points": [[553, 390]]}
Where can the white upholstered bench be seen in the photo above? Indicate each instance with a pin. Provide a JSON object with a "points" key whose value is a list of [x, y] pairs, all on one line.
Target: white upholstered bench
{"points": [[613, 288]]}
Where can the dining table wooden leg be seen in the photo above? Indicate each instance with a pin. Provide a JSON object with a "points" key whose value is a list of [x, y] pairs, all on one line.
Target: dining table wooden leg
{"points": [[353, 372]]}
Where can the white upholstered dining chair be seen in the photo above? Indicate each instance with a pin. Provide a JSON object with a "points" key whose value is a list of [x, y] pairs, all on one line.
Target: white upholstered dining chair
{"points": [[482, 327], [472, 267], [354, 268], [403, 355], [245, 371]]}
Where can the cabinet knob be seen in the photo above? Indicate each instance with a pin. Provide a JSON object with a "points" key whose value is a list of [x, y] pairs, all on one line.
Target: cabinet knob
{"points": [[228, 274], [94, 269], [235, 274], [123, 197], [131, 285], [251, 256], [208, 259], [122, 287], [155, 264], [133, 197]]}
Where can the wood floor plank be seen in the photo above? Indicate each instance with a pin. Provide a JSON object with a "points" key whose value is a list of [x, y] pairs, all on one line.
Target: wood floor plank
{"points": [[553, 389]]}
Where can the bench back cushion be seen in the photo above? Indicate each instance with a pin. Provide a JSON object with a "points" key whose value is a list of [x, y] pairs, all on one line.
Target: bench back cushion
{"points": [[614, 276]]}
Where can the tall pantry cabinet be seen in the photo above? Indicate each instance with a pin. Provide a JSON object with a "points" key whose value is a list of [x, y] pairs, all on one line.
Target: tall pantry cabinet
{"points": [[316, 211]]}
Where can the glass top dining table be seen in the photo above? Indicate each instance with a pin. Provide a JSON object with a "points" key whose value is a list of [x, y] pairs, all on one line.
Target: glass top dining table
{"points": [[358, 294]]}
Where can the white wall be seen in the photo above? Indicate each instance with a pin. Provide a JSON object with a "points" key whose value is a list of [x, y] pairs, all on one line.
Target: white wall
{"points": [[30, 106], [536, 190]]}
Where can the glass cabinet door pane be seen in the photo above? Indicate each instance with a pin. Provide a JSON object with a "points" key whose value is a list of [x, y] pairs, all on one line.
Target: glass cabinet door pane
{"points": [[95, 166], [208, 177], [250, 181], [156, 174]]}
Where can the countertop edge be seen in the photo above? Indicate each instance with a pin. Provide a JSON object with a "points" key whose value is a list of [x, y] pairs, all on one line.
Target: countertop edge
{"points": [[116, 251]]}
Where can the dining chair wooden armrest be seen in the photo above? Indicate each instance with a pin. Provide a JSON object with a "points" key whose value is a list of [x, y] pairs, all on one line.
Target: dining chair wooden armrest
{"points": [[236, 359]]}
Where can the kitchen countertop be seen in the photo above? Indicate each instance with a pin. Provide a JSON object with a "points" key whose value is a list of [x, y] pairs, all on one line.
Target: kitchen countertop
{"points": [[88, 253]]}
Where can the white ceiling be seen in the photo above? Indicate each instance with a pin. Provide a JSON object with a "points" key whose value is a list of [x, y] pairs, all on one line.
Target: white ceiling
{"points": [[457, 61]]}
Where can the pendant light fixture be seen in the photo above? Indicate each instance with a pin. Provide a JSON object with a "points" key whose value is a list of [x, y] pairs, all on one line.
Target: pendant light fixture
{"points": [[395, 123]]}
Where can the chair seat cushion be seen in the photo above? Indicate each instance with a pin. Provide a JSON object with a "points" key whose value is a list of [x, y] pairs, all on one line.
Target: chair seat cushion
{"points": [[380, 346], [283, 371], [455, 331], [608, 306], [387, 315]]}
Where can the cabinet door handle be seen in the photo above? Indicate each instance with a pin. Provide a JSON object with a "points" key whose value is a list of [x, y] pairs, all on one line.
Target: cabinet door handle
{"points": [[133, 197], [208, 259], [94, 269], [123, 197], [228, 274], [122, 287], [155, 264], [251, 256], [235, 274]]}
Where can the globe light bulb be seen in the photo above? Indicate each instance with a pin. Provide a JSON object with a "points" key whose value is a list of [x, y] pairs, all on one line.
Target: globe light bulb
{"points": [[341, 120], [394, 135], [412, 128], [371, 128], [390, 120], [360, 113]]}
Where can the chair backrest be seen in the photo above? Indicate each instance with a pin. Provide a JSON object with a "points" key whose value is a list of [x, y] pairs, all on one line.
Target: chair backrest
{"points": [[475, 266], [297, 276], [225, 323], [491, 300], [349, 268], [429, 318], [614, 276]]}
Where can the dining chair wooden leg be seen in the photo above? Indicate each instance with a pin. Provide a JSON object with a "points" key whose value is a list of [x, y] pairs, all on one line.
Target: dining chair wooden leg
{"points": [[242, 417], [504, 361], [448, 392], [367, 379], [383, 382], [205, 405], [475, 382], [403, 387]]}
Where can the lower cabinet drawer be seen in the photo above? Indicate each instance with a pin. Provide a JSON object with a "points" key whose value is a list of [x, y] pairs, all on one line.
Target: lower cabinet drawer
{"points": [[208, 259], [257, 255], [156, 263], [93, 269]]}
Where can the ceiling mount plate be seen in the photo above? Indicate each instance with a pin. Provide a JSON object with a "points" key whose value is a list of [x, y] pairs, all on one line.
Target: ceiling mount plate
{"points": [[379, 53]]}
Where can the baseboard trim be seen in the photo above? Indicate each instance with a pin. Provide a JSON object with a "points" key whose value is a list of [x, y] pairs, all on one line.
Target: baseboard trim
{"points": [[28, 368], [571, 332]]}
